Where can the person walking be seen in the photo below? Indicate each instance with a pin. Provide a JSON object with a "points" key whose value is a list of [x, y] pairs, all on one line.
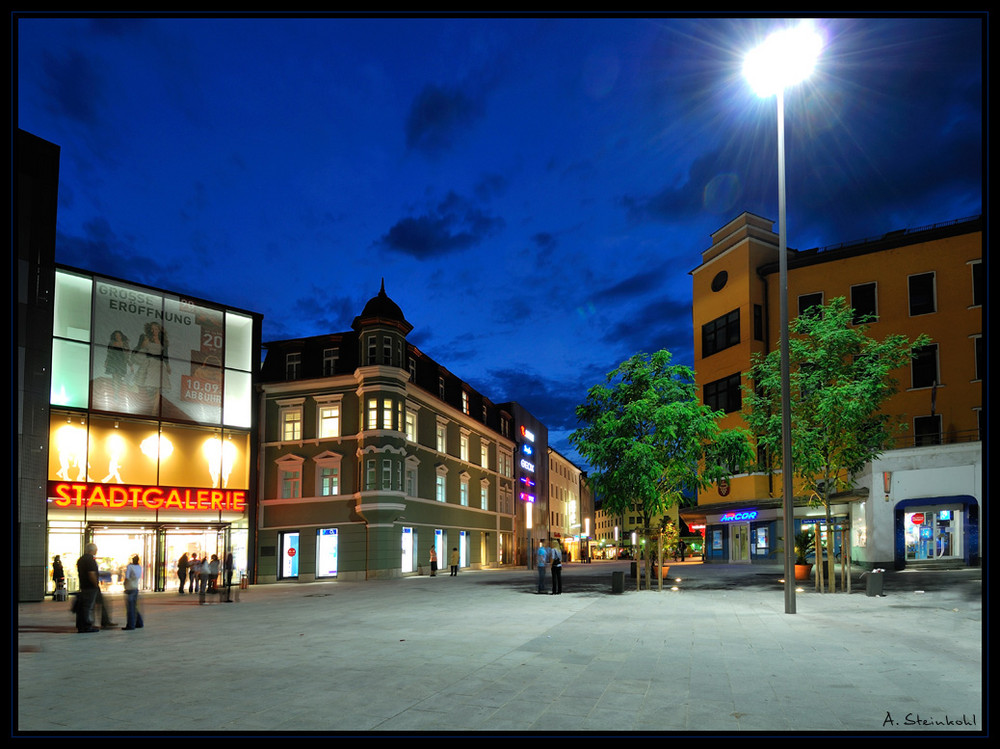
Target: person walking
{"points": [[86, 567], [454, 561], [182, 571], [434, 562], [555, 562], [541, 559], [133, 576]]}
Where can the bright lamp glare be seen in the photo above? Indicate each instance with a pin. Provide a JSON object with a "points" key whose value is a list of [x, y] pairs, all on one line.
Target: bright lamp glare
{"points": [[785, 58]]}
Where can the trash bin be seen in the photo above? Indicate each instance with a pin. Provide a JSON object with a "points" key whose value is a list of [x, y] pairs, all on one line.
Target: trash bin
{"points": [[873, 583], [617, 582], [633, 569]]}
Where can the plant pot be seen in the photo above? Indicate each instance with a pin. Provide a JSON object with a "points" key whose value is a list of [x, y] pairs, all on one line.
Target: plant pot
{"points": [[803, 571], [664, 571]]}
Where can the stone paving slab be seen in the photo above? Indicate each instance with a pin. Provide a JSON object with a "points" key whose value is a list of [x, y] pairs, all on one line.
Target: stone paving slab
{"points": [[482, 653]]}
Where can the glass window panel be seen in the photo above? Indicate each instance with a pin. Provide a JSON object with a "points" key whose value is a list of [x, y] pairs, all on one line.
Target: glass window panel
{"points": [[68, 447], [190, 457], [239, 342], [71, 312], [238, 400], [70, 374], [123, 451]]}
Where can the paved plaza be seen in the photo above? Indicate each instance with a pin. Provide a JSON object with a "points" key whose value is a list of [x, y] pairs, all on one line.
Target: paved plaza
{"points": [[483, 653]]}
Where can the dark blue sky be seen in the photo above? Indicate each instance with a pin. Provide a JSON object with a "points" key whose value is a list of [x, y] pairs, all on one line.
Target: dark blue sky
{"points": [[533, 191]]}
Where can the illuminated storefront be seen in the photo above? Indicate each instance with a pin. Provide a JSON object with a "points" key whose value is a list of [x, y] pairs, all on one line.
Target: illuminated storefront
{"points": [[151, 436]]}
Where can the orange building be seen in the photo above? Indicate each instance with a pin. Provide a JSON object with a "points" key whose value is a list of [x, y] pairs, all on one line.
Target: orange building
{"points": [[919, 501]]}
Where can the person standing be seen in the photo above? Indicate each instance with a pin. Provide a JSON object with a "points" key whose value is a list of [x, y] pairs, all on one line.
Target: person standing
{"points": [[542, 558], [58, 579], [86, 567], [556, 563], [133, 575], [194, 567], [182, 571], [434, 562], [454, 561]]}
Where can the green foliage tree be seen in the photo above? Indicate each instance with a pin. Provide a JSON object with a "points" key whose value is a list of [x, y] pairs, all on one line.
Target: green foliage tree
{"points": [[648, 438], [840, 377]]}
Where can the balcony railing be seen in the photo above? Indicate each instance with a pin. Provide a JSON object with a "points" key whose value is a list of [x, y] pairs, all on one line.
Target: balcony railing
{"points": [[932, 439]]}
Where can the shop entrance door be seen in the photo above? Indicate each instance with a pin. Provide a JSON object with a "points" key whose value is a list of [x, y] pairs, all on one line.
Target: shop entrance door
{"points": [[115, 548], [739, 542]]}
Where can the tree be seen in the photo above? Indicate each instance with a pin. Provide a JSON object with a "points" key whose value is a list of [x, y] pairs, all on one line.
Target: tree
{"points": [[840, 378], [648, 438]]}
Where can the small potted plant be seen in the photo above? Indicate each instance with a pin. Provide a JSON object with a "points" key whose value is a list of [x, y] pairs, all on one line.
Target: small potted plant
{"points": [[804, 541]]}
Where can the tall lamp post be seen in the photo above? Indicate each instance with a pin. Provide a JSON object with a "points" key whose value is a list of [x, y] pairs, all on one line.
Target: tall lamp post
{"points": [[786, 57]]}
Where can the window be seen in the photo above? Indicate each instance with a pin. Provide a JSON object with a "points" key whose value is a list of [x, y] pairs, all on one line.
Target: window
{"points": [[464, 490], [411, 425], [291, 484], [980, 349], [439, 488], [465, 402], [289, 477], [441, 388], [387, 413], [411, 476], [413, 370], [370, 474], [977, 283], [330, 358], [442, 437], [329, 481], [373, 413], [464, 447], [484, 454], [758, 322], [293, 363], [927, 430], [922, 295], [386, 474], [386, 350], [484, 494], [808, 301], [864, 302], [290, 417], [724, 395], [371, 350], [924, 368], [329, 420], [721, 333]]}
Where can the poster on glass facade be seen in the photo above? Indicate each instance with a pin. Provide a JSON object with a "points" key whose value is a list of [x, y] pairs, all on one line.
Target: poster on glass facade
{"points": [[156, 355]]}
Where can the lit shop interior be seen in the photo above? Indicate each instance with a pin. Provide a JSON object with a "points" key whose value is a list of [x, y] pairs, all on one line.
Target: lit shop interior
{"points": [[150, 430]]}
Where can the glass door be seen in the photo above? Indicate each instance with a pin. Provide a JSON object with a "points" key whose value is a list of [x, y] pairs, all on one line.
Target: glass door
{"points": [[739, 542]]}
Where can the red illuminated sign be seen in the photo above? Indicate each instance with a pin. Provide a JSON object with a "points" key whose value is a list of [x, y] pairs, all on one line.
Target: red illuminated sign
{"points": [[128, 497], [917, 518]]}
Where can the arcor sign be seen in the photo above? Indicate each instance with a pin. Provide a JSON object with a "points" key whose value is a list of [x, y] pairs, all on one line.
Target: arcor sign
{"points": [[124, 496]]}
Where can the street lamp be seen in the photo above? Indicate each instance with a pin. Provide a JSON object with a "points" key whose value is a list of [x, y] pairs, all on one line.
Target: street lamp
{"points": [[785, 58]]}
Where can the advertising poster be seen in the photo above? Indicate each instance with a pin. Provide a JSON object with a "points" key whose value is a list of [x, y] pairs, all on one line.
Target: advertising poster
{"points": [[156, 355]]}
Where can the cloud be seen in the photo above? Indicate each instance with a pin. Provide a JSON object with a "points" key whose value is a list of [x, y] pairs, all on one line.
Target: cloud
{"points": [[101, 250], [437, 118], [453, 225], [73, 85]]}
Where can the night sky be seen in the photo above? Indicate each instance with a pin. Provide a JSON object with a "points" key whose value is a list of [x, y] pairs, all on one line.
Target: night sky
{"points": [[534, 191]]}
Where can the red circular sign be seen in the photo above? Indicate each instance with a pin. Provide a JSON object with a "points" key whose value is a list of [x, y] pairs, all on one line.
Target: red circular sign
{"points": [[917, 518], [291, 552]]}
